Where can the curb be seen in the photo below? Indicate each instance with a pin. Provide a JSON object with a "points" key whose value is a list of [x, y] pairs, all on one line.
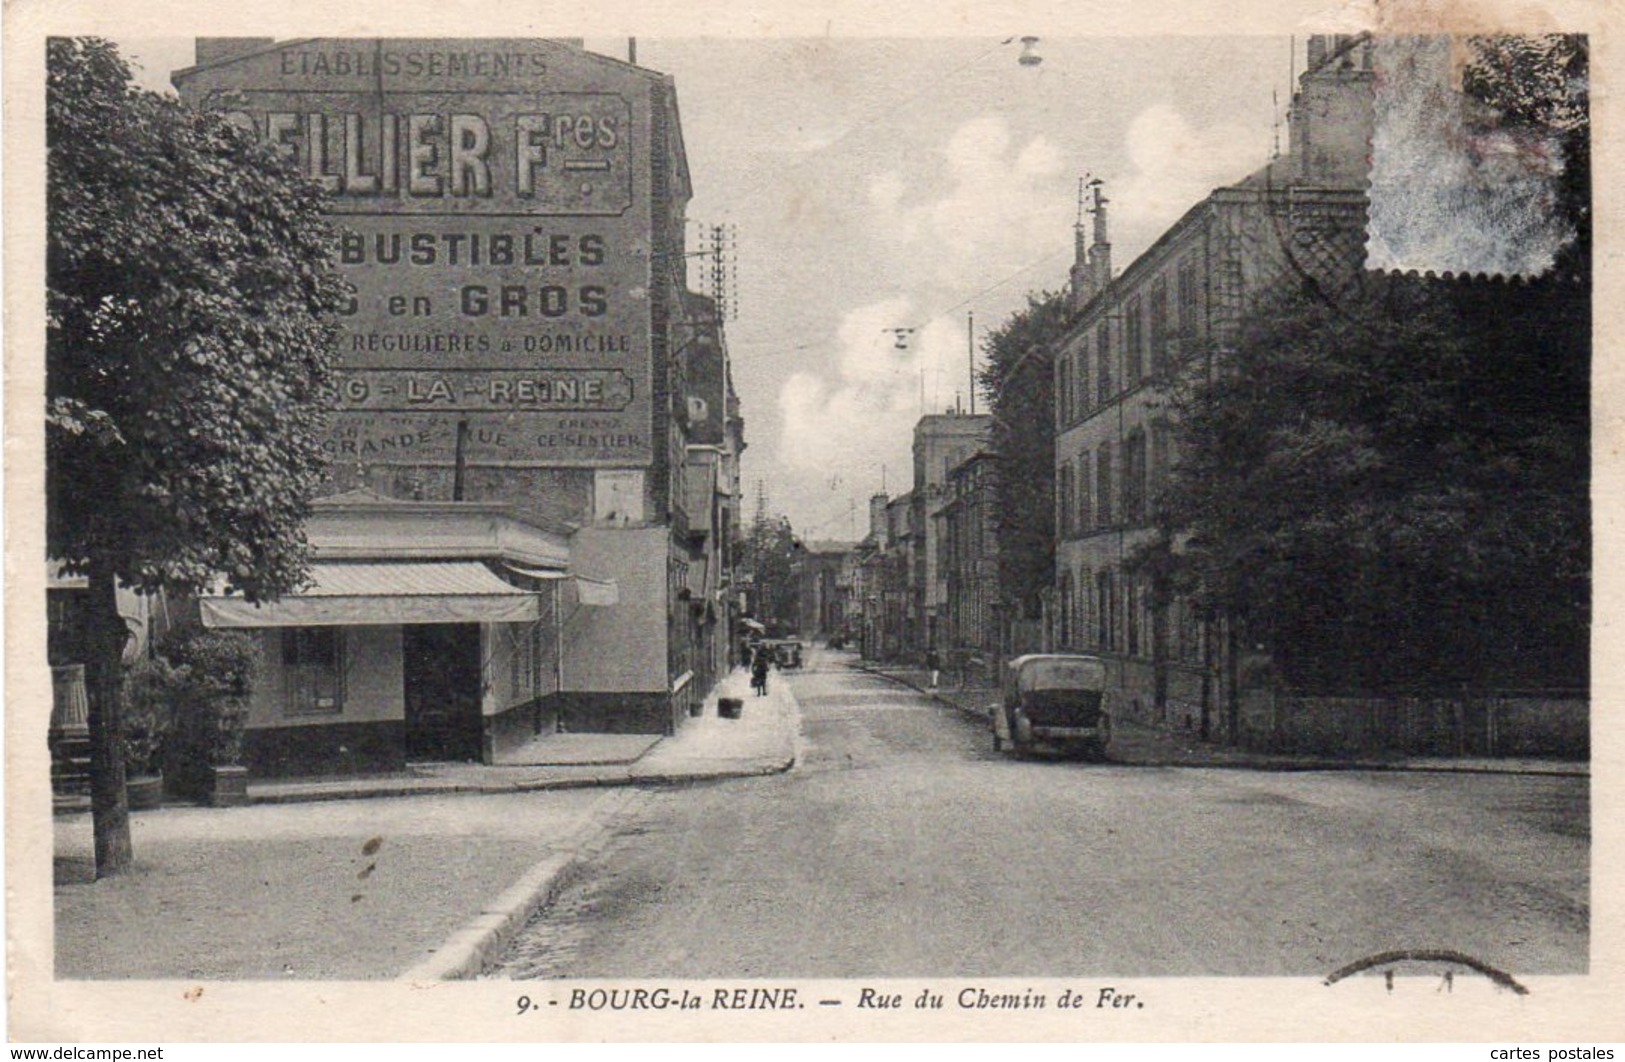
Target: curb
{"points": [[1281, 766], [449, 789], [468, 789], [466, 953]]}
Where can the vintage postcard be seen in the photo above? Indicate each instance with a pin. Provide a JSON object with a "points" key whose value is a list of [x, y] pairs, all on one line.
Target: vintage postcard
{"points": [[681, 522]]}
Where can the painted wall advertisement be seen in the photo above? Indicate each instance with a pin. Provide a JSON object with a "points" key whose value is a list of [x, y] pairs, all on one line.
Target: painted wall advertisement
{"points": [[494, 202]]}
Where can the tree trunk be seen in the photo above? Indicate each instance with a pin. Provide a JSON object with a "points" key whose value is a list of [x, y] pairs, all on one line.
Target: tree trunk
{"points": [[104, 679]]}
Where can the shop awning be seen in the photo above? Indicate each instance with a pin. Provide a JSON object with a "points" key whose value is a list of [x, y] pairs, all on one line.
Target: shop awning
{"points": [[595, 592], [363, 593]]}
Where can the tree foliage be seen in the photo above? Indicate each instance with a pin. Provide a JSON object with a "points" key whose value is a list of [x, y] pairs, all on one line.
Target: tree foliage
{"points": [[1390, 489], [188, 340], [1542, 83], [772, 549], [1017, 377], [188, 356]]}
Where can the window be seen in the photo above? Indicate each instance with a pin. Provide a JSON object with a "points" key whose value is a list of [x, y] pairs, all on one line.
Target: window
{"points": [[1106, 610], [1131, 612], [1063, 391], [1103, 355], [1086, 609], [313, 662], [529, 652], [1085, 395], [1134, 348], [1187, 298], [1134, 478], [1103, 485], [1065, 501], [1065, 633], [1159, 324], [1161, 460], [1086, 516], [1191, 634]]}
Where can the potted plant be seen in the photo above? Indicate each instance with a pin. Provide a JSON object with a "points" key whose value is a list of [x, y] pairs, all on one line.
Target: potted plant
{"points": [[149, 693], [217, 674]]}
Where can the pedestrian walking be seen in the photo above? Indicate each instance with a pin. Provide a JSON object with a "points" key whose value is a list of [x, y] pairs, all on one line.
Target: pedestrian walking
{"points": [[933, 664], [758, 673]]}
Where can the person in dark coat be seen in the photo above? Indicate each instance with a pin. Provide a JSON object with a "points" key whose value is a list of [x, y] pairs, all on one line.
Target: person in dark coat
{"points": [[758, 673], [933, 664]]}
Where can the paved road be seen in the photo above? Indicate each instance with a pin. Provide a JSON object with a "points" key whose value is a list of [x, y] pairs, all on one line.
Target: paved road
{"points": [[903, 846]]}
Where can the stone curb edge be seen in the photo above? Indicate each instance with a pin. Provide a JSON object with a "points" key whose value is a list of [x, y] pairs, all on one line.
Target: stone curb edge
{"points": [[461, 788], [1277, 766], [472, 947], [468, 950]]}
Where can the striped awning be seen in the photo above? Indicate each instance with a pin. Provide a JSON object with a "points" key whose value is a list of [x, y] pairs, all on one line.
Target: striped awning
{"points": [[384, 593]]}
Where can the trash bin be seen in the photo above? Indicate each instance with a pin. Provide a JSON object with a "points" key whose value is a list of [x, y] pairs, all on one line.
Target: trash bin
{"points": [[730, 707]]}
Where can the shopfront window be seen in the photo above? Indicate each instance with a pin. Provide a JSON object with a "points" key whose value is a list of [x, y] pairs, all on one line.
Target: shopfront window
{"points": [[313, 662]]}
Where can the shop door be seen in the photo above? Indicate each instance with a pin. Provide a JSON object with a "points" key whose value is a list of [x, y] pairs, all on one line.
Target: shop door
{"points": [[442, 669]]}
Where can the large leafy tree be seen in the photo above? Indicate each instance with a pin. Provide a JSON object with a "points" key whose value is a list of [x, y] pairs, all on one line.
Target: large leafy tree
{"points": [[772, 550], [1389, 489], [188, 354], [1017, 377], [1389, 486]]}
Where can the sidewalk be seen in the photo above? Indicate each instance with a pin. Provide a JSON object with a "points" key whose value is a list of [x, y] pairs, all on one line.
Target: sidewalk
{"points": [[307, 884], [705, 746], [1144, 746]]}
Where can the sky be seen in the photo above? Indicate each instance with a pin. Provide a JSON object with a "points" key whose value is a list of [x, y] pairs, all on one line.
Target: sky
{"points": [[876, 184]]}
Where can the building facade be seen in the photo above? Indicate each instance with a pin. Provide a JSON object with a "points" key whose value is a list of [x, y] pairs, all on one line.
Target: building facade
{"points": [[941, 443], [512, 218], [822, 588], [970, 560], [1171, 312]]}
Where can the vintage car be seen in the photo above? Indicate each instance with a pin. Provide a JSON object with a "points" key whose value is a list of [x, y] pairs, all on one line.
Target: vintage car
{"points": [[1054, 702], [788, 653]]}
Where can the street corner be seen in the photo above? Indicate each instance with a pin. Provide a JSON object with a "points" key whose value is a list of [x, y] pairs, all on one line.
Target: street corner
{"points": [[735, 735]]}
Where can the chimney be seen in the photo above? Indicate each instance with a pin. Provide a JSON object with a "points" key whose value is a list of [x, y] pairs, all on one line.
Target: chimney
{"points": [[1317, 52], [211, 50], [877, 518], [1331, 119], [1100, 255]]}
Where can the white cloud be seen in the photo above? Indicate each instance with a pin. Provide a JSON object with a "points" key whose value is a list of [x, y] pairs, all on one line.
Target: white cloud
{"points": [[1175, 166], [994, 206]]}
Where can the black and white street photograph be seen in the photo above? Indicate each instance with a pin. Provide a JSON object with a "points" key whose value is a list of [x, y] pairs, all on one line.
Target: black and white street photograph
{"points": [[806, 532]]}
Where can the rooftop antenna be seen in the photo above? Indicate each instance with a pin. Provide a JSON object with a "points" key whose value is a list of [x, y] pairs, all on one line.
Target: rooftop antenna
{"points": [[970, 351], [724, 263], [1275, 108]]}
